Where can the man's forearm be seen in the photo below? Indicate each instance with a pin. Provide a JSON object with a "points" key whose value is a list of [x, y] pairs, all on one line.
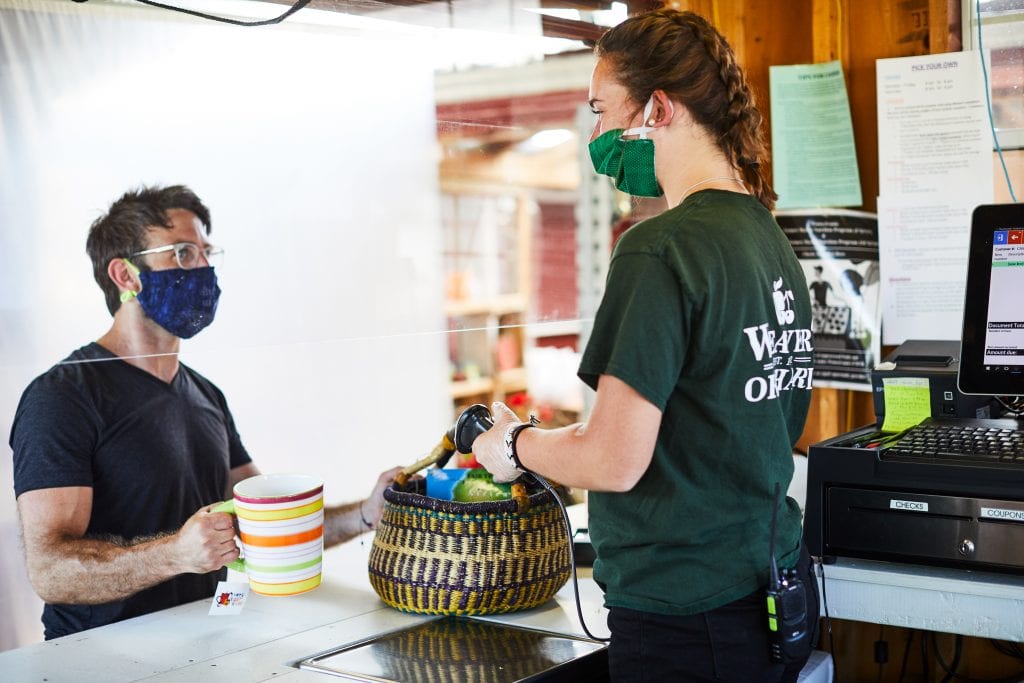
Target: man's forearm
{"points": [[89, 571], [344, 522]]}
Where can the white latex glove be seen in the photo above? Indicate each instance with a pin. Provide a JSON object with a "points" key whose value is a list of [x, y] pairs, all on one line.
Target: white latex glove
{"points": [[491, 449]]}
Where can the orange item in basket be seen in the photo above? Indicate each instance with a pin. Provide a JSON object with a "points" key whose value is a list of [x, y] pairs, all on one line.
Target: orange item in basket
{"points": [[466, 460]]}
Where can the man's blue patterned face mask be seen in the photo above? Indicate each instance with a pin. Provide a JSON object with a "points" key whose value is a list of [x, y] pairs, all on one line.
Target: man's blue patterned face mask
{"points": [[181, 301]]}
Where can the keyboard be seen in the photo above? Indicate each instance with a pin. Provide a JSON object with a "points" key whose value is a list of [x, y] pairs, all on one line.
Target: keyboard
{"points": [[992, 442]]}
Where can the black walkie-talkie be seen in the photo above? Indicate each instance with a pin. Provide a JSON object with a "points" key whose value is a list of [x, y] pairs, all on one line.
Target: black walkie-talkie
{"points": [[787, 606]]}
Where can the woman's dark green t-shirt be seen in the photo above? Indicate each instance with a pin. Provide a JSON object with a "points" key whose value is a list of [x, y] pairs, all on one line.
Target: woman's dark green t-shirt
{"points": [[707, 315]]}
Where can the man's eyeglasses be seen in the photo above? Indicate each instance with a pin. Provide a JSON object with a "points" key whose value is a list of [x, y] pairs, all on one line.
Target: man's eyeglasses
{"points": [[189, 255]]}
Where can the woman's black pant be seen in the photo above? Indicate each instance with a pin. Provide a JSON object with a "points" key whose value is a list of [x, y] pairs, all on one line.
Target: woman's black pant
{"points": [[729, 643]]}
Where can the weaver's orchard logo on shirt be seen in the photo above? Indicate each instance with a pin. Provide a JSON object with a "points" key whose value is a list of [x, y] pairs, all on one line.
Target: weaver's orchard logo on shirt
{"points": [[785, 354]]}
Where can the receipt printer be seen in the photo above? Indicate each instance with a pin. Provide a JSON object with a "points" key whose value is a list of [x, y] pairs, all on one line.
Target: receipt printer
{"points": [[938, 362]]}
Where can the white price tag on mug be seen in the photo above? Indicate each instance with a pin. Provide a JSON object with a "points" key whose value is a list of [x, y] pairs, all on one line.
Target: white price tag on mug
{"points": [[229, 598]]}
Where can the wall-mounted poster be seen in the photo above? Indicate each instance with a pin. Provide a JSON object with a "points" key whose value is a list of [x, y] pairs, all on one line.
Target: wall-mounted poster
{"points": [[814, 160], [934, 167], [838, 249]]}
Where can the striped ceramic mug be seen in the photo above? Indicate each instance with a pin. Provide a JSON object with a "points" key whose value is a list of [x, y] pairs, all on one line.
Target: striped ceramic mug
{"points": [[281, 526]]}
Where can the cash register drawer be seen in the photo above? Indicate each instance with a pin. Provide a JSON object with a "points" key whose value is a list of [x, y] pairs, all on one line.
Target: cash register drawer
{"points": [[937, 529]]}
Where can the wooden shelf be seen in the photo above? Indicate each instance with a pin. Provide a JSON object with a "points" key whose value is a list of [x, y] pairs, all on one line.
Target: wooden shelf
{"points": [[499, 305], [512, 380], [486, 331], [471, 387], [508, 382]]}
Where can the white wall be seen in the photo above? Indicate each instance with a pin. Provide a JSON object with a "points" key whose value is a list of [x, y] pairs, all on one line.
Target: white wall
{"points": [[315, 151]]}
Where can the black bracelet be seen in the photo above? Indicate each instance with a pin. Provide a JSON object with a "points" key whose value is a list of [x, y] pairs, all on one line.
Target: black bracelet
{"points": [[363, 518], [513, 437]]}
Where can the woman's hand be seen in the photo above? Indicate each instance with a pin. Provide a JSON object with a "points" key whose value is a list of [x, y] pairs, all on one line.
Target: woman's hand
{"points": [[491, 448]]}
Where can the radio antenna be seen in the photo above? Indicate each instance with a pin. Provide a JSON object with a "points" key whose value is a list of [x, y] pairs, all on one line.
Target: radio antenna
{"points": [[773, 567]]}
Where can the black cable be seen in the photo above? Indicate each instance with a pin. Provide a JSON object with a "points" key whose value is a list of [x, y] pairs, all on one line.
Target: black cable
{"points": [[1000, 647], [773, 567], [925, 669], [572, 557], [820, 572], [881, 639], [1009, 649], [957, 651], [1013, 678], [1012, 407], [951, 673], [212, 17], [906, 656]]}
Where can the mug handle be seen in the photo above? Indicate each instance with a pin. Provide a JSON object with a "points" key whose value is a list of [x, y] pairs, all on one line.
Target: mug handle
{"points": [[228, 506]]}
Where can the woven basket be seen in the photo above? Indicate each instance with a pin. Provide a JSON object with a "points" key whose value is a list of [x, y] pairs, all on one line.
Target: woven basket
{"points": [[443, 557]]}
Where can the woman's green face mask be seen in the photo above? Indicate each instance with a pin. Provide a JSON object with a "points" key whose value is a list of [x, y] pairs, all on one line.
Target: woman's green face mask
{"points": [[629, 162]]}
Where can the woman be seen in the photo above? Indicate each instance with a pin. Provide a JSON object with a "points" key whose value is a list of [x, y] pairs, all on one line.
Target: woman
{"points": [[701, 358]]}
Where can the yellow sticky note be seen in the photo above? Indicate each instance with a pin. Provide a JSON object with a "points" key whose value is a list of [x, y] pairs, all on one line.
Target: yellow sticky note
{"points": [[907, 402]]}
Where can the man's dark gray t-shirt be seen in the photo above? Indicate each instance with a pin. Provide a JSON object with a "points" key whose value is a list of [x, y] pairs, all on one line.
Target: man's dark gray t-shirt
{"points": [[153, 453]]}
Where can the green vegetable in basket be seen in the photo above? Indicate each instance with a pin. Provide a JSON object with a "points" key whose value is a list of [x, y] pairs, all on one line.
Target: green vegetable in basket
{"points": [[465, 485], [478, 485]]}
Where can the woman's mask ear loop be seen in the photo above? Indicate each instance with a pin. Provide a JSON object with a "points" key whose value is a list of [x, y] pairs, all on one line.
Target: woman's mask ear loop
{"points": [[648, 108], [643, 130], [129, 294]]}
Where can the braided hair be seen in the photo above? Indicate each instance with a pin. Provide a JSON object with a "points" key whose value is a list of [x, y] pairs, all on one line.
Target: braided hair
{"points": [[684, 55]]}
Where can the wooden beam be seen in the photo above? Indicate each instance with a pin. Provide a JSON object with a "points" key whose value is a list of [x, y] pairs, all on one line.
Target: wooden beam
{"points": [[831, 409], [945, 31], [638, 6], [705, 8], [830, 20], [571, 29], [730, 18], [761, 36]]}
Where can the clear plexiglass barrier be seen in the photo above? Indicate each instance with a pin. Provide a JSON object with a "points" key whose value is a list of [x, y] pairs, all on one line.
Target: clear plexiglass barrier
{"points": [[409, 219]]}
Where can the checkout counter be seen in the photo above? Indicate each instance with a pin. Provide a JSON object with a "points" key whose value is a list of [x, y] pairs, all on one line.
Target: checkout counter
{"points": [[271, 635]]}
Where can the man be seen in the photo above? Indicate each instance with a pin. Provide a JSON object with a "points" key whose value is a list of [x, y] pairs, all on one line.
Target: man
{"points": [[819, 287], [120, 450]]}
